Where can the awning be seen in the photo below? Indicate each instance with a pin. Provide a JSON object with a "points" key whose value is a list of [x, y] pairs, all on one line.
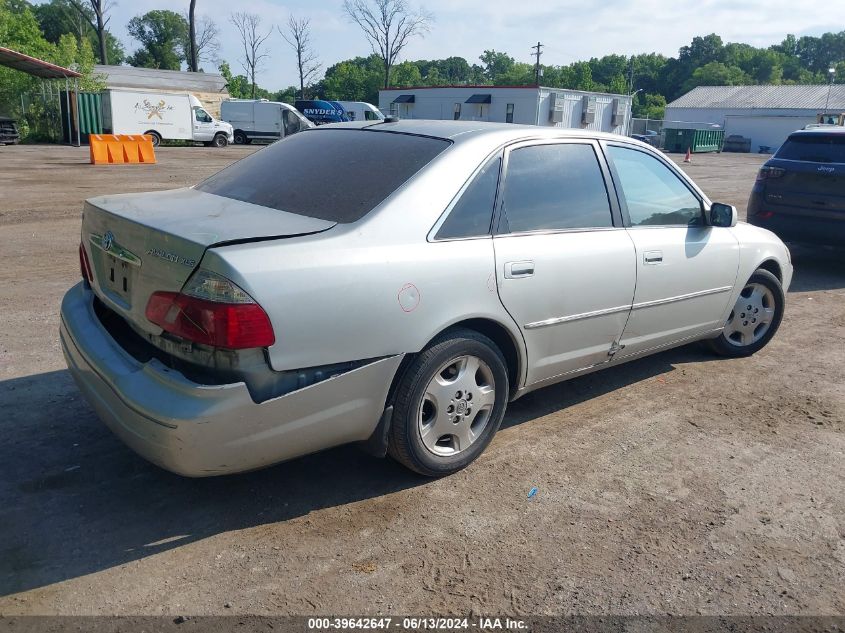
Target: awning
{"points": [[405, 99], [33, 66], [479, 99]]}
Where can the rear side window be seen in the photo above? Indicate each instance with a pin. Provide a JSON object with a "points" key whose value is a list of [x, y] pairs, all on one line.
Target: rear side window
{"points": [[335, 175], [814, 148], [554, 187], [473, 213]]}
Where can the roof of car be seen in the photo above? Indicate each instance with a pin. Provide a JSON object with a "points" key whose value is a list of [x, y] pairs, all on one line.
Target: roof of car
{"points": [[458, 131]]}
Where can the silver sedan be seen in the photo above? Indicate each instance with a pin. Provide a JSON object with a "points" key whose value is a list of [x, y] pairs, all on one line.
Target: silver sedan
{"points": [[397, 284]]}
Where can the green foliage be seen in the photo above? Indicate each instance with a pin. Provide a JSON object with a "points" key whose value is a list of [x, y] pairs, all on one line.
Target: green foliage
{"points": [[162, 34], [60, 17], [239, 86]]}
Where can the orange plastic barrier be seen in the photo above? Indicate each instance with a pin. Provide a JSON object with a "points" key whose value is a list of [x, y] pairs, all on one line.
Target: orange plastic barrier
{"points": [[119, 149]]}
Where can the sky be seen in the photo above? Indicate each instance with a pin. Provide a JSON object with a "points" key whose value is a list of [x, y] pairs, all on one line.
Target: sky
{"points": [[570, 30]]}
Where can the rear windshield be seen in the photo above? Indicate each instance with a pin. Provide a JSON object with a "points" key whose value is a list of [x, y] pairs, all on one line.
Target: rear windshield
{"points": [[815, 148], [335, 175]]}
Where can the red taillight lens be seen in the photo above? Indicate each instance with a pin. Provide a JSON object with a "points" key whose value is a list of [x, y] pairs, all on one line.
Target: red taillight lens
{"points": [[85, 265], [227, 325], [765, 215], [769, 173]]}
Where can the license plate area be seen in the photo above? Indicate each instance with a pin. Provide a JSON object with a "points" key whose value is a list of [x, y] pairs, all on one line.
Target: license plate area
{"points": [[119, 278]]}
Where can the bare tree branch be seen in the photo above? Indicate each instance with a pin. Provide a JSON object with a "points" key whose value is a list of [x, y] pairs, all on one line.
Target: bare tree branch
{"points": [[203, 43], [99, 23], [388, 25], [298, 36], [249, 27]]}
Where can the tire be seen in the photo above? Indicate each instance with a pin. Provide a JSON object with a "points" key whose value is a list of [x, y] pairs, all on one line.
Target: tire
{"points": [[220, 141], [155, 137], [440, 387], [747, 331], [240, 138]]}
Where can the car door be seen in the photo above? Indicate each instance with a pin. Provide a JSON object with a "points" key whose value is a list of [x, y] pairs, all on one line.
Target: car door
{"points": [[203, 125], [686, 269], [565, 264]]}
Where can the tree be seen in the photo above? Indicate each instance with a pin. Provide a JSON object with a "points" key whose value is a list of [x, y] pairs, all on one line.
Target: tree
{"points": [[249, 28], [60, 17], [388, 26], [298, 36], [495, 64], [99, 22], [205, 42], [162, 34], [193, 53]]}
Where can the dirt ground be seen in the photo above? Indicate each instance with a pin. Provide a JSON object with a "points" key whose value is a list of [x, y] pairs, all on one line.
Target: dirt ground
{"points": [[676, 484]]}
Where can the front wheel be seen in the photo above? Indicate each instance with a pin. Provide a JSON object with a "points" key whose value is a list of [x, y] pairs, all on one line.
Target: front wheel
{"points": [[220, 141], [754, 319], [449, 404], [240, 138]]}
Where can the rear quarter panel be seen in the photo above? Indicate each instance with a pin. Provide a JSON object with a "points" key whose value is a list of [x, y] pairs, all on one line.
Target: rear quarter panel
{"points": [[376, 287]]}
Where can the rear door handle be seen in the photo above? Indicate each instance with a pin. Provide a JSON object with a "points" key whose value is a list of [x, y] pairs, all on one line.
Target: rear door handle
{"points": [[515, 270], [653, 257]]}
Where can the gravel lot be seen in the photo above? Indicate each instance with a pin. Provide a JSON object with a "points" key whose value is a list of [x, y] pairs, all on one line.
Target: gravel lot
{"points": [[679, 483]]}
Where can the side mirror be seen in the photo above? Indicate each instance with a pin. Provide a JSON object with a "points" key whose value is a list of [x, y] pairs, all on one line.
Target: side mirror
{"points": [[724, 215]]}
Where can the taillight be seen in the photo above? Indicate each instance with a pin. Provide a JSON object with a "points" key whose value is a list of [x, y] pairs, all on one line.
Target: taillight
{"points": [[769, 173], [213, 311], [85, 265]]}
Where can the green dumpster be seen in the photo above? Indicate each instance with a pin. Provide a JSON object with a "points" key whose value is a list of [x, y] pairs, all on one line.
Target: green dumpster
{"points": [[697, 141]]}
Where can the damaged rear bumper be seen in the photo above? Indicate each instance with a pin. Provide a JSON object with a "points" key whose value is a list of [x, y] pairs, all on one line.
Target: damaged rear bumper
{"points": [[202, 430]]}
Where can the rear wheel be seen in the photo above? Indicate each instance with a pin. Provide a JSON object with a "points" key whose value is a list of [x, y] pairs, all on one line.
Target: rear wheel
{"points": [[240, 137], [220, 141], [449, 404], [755, 317], [155, 138]]}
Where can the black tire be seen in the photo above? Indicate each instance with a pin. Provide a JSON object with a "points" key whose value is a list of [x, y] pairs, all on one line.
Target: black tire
{"points": [[240, 138], [725, 345], [155, 138], [405, 443], [220, 140]]}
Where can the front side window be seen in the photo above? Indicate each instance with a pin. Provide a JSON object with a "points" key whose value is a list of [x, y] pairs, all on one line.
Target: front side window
{"points": [[371, 116], [291, 121], [654, 194], [202, 116], [554, 187], [473, 213]]}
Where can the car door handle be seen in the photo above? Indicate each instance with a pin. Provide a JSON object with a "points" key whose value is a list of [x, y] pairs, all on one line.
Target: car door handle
{"points": [[515, 270], [652, 257]]}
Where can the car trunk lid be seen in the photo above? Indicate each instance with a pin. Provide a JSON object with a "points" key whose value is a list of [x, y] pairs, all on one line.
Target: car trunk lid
{"points": [[143, 243]]}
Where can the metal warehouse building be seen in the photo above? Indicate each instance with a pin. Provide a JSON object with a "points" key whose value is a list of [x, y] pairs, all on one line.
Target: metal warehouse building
{"points": [[209, 88], [532, 105], [765, 114]]}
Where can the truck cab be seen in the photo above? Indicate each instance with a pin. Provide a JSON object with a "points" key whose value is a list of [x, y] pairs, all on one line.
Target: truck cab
{"points": [[361, 111]]}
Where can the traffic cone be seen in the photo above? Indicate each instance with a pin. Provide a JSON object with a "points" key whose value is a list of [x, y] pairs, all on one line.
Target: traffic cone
{"points": [[688, 157]]}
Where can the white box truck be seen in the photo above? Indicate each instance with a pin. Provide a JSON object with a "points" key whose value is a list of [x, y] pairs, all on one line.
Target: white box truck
{"points": [[261, 119], [164, 116], [361, 111]]}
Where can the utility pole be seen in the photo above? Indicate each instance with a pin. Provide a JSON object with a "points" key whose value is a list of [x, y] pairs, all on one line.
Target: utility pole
{"points": [[538, 50]]}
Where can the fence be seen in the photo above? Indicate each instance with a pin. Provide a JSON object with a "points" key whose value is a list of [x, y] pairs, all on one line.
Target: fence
{"points": [[38, 112]]}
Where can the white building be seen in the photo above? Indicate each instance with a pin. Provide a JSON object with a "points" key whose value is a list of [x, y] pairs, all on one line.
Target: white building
{"points": [[531, 105], [765, 114]]}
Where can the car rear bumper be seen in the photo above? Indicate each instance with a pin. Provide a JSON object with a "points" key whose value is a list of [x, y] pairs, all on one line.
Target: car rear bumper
{"points": [[202, 430], [801, 228]]}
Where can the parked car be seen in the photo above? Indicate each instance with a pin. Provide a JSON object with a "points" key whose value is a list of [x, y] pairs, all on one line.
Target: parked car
{"points": [[800, 191], [163, 116], [9, 131], [649, 136], [447, 269], [261, 119]]}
